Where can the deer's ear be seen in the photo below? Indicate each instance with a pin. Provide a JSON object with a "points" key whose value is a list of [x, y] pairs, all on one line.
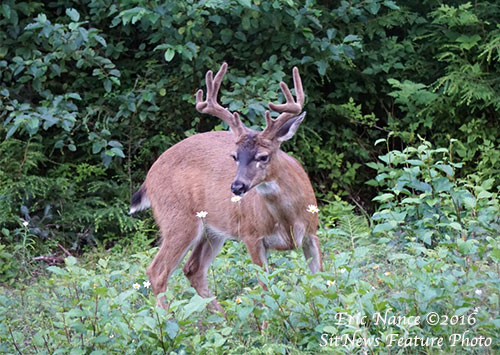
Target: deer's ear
{"points": [[288, 130]]}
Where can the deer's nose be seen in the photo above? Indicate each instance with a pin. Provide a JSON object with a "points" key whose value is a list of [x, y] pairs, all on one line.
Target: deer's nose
{"points": [[239, 188]]}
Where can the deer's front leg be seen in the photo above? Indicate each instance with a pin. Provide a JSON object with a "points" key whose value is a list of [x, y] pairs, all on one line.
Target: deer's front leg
{"points": [[257, 251]]}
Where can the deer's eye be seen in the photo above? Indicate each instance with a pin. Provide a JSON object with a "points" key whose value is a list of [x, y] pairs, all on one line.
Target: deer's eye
{"points": [[262, 158]]}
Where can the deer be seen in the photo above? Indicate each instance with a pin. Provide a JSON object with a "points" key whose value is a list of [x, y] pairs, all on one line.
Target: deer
{"points": [[210, 171]]}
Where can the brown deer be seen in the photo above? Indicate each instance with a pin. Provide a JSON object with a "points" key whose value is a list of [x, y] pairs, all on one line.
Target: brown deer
{"points": [[205, 171]]}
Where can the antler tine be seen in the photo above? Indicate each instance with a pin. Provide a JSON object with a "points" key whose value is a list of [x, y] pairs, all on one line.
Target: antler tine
{"points": [[289, 109], [212, 107]]}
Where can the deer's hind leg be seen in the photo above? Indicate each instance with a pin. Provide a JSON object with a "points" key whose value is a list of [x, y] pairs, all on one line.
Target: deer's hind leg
{"points": [[177, 239], [312, 251], [196, 267]]}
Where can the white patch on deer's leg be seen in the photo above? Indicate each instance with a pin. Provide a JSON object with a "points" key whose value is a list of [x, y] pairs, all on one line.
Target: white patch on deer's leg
{"points": [[298, 232], [312, 252]]}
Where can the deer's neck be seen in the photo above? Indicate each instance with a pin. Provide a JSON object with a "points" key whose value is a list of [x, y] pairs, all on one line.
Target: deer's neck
{"points": [[282, 194]]}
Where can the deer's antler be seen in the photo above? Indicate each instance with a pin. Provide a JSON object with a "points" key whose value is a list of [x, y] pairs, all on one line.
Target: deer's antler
{"points": [[289, 109], [212, 107]]}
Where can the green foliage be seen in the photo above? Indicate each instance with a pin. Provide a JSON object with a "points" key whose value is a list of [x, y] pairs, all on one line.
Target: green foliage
{"points": [[109, 86], [423, 200], [94, 306]]}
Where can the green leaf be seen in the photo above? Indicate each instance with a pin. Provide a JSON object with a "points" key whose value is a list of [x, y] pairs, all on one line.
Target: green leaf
{"points": [[351, 38], [470, 202], [70, 261], [97, 147], [246, 3], [456, 226], [322, 65], [330, 329], [448, 170], [383, 227], [171, 328], [169, 54], [118, 152], [75, 312], [484, 194], [114, 143], [11, 131], [196, 304], [107, 85], [383, 197], [57, 270], [5, 10], [73, 14], [244, 312], [74, 95], [391, 5], [495, 254]]}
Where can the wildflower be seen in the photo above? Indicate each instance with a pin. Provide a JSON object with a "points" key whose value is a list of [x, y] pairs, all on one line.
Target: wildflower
{"points": [[312, 209], [136, 286], [235, 199], [25, 223], [330, 283], [238, 300], [375, 267], [95, 285], [342, 270], [201, 214], [111, 336], [387, 273], [478, 292], [146, 284]]}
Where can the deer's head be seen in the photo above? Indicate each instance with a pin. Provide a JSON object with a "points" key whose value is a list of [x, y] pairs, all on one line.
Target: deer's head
{"points": [[255, 152]]}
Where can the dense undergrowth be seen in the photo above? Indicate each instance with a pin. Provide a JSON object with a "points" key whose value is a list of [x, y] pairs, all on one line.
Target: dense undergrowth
{"points": [[430, 257]]}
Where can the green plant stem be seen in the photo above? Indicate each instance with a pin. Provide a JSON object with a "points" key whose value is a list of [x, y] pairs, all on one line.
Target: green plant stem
{"points": [[162, 342], [13, 340]]}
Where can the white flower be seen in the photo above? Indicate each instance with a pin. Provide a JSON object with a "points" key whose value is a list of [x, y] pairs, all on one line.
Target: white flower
{"points": [[478, 292], [238, 300], [330, 283], [312, 209], [136, 286], [111, 336], [342, 270], [235, 199], [201, 214], [146, 284], [25, 223]]}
